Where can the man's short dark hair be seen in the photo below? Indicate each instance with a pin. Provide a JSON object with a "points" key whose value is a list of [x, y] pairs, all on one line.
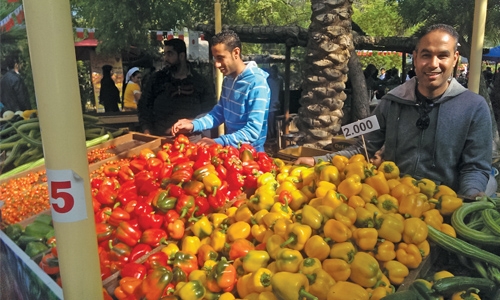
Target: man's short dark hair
{"points": [[178, 45], [10, 61], [439, 27], [227, 37]]}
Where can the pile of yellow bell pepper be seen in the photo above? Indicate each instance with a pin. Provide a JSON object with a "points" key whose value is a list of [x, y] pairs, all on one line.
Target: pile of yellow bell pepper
{"points": [[338, 230]]}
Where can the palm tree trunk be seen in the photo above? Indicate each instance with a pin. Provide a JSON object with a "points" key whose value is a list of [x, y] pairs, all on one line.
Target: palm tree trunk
{"points": [[328, 51]]}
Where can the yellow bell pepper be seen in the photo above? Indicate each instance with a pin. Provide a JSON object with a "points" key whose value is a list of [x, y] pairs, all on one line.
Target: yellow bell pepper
{"points": [[257, 217], [280, 178], [170, 249], [396, 271], [238, 230], [389, 227], [288, 260], [345, 214], [280, 227], [365, 238], [270, 218], [218, 240], [308, 191], [424, 247], [190, 244], [290, 286], [378, 292], [262, 199], [317, 247], [283, 209], [339, 269], [414, 205], [337, 231], [259, 232], [238, 266], [202, 228], [279, 163], [365, 270], [297, 170], [326, 211], [332, 199], [272, 267], [343, 250], [227, 296], [217, 219], [387, 203], [200, 275], [266, 178], [411, 182], [342, 288], [415, 230], [401, 190], [441, 274], [364, 217], [448, 229], [443, 190], [379, 183], [273, 245], [385, 251], [447, 204], [329, 173], [340, 162], [322, 187], [244, 286], [315, 202], [427, 187], [350, 186], [297, 235], [357, 158], [298, 199], [368, 193], [356, 201], [355, 168], [433, 218], [267, 296], [319, 283], [308, 265], [409, 255], [261, 280], [254, 260], [470, 294], [389, 169], [243, 213], [192, 290], [310, 216], [296, 181], [308, 176], [286, 185]]}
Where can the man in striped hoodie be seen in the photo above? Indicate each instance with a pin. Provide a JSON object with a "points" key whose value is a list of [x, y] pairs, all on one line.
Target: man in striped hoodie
{"points": [[244, 102]]}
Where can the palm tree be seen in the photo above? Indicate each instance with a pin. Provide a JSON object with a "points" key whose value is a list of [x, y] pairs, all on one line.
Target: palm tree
{"points": [[329, 46]]}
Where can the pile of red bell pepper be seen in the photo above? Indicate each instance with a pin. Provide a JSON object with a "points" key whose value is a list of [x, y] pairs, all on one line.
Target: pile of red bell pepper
{"points": [[142, 202]]}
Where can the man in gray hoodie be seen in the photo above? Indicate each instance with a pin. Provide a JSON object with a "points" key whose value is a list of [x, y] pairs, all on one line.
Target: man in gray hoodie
{"points": [[431, 126]]}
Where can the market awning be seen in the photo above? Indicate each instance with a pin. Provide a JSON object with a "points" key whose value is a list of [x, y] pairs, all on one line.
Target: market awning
{"points": [[87, 43]]}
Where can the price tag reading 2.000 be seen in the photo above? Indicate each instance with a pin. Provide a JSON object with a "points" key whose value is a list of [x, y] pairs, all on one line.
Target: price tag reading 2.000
{"points": [[360, 127], [67, 196]]}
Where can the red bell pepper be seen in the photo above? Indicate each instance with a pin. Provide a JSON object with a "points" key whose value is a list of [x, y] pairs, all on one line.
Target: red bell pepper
{"points": [[154, 165], [163, 155], [119, 252], [137, 165], [183, 165], [156, 282], [153, 236], [118, 215], [194, 188], [130, 207], [106, 195], [125, 174], [228, 151], [142, 208], [104, 231], [145, 183], [185, 205], [233, 164], [147, 221], [96, 205], [182, 175], [202, 157], [246, 155], [95, 182], [215, 150], [171, 216], [186, 262], [266, 163], [221, 171], [166, 171], [127, 234], [111, 170], [250, 167], [203, 206], [247, 147], [239, 248], [176, 229], [146, 153], [158, 259], [133, 269], [102, 216], [235, 181], [139, 251], [180, 142]]}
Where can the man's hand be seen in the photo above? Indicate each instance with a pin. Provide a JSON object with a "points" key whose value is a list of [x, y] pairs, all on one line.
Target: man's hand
{"points": [[206, 142], [304, 161], [182, 126]]}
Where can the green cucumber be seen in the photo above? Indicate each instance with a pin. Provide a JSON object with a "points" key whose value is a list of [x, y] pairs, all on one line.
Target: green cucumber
{"points": [[404, 295], [474, 236], [489, 218], [450, 285]]}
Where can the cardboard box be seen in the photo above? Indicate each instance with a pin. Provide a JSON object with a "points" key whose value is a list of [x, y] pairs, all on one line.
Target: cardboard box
{"points": [[340, 143], [292, 153]]}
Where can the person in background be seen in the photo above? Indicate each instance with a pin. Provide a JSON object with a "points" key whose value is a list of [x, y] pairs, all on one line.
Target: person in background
{"points": [[382, 74], [276, 83], [132, 89], [431, 126], [177, 91], [109, 95], [13, 92], [244, 102]]}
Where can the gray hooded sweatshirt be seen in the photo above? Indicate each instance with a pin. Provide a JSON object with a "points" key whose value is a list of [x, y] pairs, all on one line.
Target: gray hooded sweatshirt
{"points": [[456, 148]]}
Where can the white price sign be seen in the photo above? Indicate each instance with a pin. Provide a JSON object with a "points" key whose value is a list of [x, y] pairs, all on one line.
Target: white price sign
{"points": [[360, 127], [67, 196]]}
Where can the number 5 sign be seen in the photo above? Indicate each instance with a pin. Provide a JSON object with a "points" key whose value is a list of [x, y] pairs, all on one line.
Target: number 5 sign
{"points": [[67, 196], [360, 127]]}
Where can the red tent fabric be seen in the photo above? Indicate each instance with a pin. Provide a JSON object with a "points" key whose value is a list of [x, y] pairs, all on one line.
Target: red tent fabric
{"points": [[87, 43]]}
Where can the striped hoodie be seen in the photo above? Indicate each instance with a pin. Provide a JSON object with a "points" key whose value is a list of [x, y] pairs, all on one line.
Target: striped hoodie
{"points": [[243, 108]]}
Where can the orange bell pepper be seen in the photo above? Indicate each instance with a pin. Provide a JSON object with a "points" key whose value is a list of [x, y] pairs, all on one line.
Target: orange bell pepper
{"points": [[385, 251], [379, 183], [414, 205]]}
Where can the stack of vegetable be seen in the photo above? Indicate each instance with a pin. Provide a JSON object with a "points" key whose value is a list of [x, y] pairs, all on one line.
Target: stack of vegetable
{"points": [[20, 140]]}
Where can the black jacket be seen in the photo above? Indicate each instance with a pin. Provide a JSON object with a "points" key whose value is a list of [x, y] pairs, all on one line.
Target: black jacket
{"points": [[109, 95], [13, 92], [167, 99]]}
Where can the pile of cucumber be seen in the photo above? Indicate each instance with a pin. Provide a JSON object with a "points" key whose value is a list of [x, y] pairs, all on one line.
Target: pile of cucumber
{"points": [[32, 238]]}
